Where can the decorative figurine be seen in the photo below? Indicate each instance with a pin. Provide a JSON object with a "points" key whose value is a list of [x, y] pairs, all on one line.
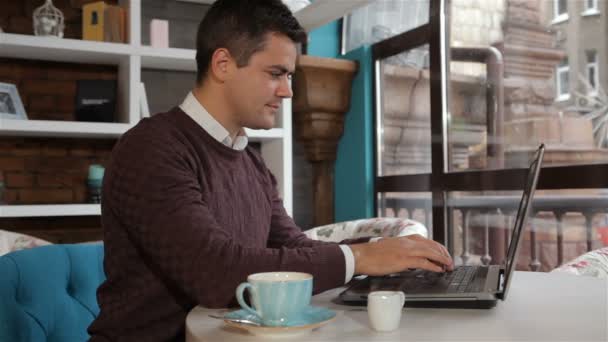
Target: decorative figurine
{"points": [[48, 20]]}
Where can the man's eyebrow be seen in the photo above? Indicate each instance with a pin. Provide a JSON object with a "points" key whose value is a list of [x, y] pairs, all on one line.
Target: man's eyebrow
{"points": [[282, 69]]}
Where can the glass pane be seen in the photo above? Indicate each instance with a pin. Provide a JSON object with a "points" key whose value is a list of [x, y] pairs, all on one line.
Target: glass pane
{"points": [[383, 19], [404, 134], [508, 66], [564, 82], [563, 225], [563, 6], [412, 205], [591, 76]]}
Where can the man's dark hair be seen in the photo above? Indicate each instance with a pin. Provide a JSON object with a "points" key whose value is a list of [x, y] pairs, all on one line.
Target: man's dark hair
{"points": [[241, 26]]}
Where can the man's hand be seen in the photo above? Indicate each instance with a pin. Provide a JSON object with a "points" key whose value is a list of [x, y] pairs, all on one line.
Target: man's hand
{"points": [[392, 255]]}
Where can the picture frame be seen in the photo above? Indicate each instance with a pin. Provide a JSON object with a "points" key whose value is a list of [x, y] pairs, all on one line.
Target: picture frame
{"points": [[11, 106]]}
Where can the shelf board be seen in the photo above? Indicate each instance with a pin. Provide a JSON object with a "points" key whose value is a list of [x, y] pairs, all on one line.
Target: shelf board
{"points": [[323, 12], [46, 210], [67, 129], [263, 134], [62, 49], [168, 58], [204, 2]]}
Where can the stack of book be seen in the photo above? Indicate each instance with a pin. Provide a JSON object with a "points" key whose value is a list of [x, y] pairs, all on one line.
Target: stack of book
{"points": [[103, 22]]}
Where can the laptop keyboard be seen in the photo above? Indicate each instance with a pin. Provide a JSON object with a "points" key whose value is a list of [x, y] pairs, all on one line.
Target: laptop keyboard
{"points": [[460, 278], [463, 279]]}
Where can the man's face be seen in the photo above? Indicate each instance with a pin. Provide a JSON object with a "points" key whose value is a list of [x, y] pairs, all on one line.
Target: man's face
{"points": [[257, 90]]}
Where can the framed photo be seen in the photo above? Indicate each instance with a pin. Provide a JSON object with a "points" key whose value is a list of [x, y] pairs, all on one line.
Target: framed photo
{"points": [[10, 103]]}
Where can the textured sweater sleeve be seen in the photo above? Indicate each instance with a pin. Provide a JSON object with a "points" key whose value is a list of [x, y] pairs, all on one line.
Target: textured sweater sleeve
{"points": [[153, 191]]}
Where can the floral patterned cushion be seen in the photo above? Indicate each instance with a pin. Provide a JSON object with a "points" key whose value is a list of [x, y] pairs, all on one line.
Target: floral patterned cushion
{"points": [[10, 242], [375, 227], [594, 264]]}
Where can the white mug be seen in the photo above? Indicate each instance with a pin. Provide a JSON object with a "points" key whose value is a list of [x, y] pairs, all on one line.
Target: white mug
{"points": [[384, 309]]}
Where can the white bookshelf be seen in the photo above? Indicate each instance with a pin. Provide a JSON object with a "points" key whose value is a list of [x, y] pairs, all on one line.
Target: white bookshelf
{"points": [[130, 59], [68, 129], [168, 59], [63, 50], [49, 210]]}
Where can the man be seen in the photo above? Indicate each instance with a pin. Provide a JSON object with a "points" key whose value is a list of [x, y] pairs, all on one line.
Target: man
{"points": [[189, 210]]}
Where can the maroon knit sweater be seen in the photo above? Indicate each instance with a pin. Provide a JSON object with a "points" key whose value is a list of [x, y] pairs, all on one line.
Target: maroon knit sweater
{"points": [[185, 220]]}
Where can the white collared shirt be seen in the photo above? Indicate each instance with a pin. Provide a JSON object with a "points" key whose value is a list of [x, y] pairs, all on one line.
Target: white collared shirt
{"points": [[200, 115]]}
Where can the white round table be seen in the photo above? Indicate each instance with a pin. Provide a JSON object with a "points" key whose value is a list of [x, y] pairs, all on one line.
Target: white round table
{"points": [[539, 306]]}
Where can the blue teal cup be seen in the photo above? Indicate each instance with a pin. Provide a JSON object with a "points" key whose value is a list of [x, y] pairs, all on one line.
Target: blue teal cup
{"points": [[277, 297]]}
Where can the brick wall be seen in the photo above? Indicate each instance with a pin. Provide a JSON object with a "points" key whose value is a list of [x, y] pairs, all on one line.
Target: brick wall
{"points": [[48, 89], [51, 171], [45, 171]]}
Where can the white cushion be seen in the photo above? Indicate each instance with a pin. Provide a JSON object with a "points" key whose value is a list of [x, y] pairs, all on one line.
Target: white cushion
{"points": [[11, 241], [594, 264], [375, 227]]}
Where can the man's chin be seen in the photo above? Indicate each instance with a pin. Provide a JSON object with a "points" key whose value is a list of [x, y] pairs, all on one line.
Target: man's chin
{"points": [[260, 125]]}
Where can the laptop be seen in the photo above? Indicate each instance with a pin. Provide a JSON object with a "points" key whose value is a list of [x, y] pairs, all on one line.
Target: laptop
{"points": [[464, 287]]}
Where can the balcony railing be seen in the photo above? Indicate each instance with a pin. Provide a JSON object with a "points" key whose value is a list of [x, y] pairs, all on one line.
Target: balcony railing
{"points": [[490, 208]]}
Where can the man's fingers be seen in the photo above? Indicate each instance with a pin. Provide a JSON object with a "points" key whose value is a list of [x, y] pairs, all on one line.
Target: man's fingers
{"points": [[428, 252], [433, 247], [426, 264]]}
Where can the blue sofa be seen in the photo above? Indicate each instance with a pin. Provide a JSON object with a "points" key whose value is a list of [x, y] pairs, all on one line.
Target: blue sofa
{"points": [[49, 293]]}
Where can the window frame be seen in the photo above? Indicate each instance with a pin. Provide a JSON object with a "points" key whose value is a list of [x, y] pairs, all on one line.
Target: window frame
{"points": [[440, 181], [557, 16], [560, 94], [595, 66], [591, 10]]}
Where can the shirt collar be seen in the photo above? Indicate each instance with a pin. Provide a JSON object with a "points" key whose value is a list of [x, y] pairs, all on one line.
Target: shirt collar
{"points": [[200, 115]]}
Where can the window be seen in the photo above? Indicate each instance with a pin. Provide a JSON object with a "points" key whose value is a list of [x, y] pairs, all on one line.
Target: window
{"points": [[560, 10], [454, 136], [381, 20], [591, 7], [592, 72], [563, 80]]}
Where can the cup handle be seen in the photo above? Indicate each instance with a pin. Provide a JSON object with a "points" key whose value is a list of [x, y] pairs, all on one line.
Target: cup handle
{"points": [[402, 297], [239, 297]]}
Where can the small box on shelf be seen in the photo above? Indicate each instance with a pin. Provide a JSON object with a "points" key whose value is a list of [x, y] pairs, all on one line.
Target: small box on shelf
{"points": [[103, 22], [159, 33], [96, 100]]}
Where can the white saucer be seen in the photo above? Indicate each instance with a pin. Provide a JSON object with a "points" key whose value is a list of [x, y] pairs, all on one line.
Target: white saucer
{"points": [[313, 318]]}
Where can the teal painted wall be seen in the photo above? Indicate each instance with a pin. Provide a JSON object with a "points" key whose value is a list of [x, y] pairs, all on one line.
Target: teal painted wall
{"points": [[325, 41], [354, 176], [354, 173]]}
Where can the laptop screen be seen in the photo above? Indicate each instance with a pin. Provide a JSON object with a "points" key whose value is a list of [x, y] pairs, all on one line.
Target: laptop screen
{"points": [[522, 215]]}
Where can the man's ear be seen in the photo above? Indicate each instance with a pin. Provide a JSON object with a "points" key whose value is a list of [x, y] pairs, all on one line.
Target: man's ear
{"points": [[222, 64]]}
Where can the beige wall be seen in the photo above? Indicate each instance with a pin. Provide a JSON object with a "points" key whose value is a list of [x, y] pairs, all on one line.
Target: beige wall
{"points": [[475, 23], [577, 35]]}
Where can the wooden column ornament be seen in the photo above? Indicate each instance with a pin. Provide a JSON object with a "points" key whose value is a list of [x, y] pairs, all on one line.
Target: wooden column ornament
{"points": [[322, 88]]}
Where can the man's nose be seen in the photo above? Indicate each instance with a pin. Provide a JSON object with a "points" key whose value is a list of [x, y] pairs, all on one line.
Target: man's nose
{"points": [[284, 90]]}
